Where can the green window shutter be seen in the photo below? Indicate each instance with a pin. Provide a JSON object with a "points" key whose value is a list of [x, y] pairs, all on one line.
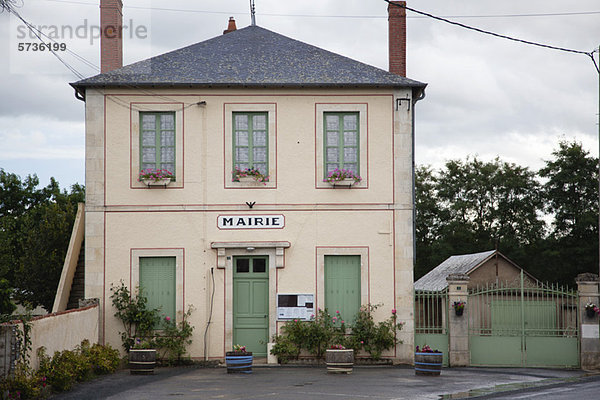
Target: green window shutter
{"points": [[341, 142], [157, 280], [342, 285], [157, 141], [251, 141]]}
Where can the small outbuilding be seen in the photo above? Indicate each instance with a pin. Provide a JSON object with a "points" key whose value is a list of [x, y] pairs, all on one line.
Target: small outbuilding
{"points": [[485, 268]]}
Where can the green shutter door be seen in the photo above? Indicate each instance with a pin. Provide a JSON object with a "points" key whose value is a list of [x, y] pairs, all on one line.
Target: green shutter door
{"points": [[251, 304], [157, 279], [342, 285]]}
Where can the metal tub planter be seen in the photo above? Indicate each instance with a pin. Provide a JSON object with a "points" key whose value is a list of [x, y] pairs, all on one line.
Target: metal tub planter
{"points": [[238, 362]]}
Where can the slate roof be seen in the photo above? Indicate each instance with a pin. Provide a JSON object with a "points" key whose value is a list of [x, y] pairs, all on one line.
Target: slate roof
{"points": [[435, 280], [249, 57]]}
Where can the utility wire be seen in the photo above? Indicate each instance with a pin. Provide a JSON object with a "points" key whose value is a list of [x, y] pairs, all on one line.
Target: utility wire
{"points": [[589, 54], [339, 16], [34, 31]]}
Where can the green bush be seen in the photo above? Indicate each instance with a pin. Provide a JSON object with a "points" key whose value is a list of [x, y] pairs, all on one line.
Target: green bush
{"points": [[324, 331], [173, 339], [373, 337], [23, 384]]}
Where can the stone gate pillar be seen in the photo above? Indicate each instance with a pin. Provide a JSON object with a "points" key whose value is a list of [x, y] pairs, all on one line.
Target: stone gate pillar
{"points": [[587, 285], [458, 326]]}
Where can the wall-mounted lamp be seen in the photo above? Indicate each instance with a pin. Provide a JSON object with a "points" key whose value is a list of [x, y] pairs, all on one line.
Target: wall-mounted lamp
{"points": [[201, 103], [399, 103], [250, 249]]}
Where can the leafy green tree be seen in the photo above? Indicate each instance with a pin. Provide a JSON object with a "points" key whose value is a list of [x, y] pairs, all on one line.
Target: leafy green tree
{"points": [[35, 229], [571, 197], [471, 206]]}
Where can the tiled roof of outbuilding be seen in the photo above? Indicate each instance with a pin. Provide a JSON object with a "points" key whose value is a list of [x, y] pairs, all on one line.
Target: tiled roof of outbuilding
{"points": [[249, 57], [435, 280]]}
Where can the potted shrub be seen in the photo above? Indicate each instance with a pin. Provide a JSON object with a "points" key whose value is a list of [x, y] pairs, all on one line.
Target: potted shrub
{"points": [[342, 177], [155, 177], [339, 359], [459, 308], [428, 361], [142, 357], [249, 175], [239, 360], [591, 310]]}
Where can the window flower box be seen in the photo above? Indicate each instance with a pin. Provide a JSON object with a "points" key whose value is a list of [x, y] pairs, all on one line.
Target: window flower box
{"points": [[155, 177], [342, 177], [161, 182], [249, 175]]}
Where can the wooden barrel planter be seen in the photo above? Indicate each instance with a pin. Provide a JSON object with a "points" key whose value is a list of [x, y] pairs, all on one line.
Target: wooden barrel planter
{"points": [[429, 364], [142, 361], [238, 362], [339, 361]]}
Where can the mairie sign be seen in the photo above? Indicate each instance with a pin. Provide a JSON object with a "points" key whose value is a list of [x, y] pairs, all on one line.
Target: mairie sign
{"points": [[276, 221]]}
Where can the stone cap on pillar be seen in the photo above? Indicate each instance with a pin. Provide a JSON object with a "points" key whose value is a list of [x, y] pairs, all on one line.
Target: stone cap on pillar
{"points": [[587, 277], [452, 278]]}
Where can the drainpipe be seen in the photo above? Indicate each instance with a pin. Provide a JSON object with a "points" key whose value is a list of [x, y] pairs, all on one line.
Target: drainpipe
{"points": [[414, 196]]}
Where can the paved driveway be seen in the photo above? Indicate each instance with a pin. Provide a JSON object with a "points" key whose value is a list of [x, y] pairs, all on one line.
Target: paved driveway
{"points": [[377, 383]]}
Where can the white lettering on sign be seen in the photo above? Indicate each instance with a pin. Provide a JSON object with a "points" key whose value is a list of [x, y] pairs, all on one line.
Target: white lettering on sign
{"points": [[250, 221]]}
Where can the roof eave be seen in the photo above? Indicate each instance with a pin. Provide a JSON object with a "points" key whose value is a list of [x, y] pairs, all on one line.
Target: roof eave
{"points": [[110, 85]]}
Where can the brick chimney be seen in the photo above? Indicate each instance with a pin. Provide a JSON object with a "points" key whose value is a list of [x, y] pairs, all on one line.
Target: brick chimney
{"points": [[111, 35], [230, 26], [397, 37]]}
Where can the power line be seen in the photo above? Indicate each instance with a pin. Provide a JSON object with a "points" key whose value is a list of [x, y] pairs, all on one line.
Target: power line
{"points": [[564, 49], [34, 31], [559, 14]]}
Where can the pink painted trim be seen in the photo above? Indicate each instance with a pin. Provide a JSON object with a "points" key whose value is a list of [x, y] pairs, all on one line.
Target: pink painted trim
{"points": [[317, 179], [131, 134], [368, 248], [225, 169], [254, 94]]}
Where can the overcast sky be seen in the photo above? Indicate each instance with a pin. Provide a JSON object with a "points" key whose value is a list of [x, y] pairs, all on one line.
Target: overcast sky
{"points": [[486, 96]]}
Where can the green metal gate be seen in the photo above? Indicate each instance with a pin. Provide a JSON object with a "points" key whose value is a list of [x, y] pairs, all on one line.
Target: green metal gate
{"points": [[431, 321], [530, 325]]}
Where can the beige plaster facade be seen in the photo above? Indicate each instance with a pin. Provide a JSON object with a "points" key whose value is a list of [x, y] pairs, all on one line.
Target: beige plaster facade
{"points": [[126, 220]]}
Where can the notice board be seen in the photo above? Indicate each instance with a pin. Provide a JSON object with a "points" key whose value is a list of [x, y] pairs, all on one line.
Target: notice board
{"points": [[295, 306]]}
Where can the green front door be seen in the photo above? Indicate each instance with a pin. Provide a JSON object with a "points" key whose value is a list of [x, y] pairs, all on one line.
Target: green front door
{"points": [[251, 303], [342, 286]]}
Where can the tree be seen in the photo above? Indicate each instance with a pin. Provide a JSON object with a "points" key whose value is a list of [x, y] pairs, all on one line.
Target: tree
{"points": [[571, 197], [471, 206], [35, 229]]}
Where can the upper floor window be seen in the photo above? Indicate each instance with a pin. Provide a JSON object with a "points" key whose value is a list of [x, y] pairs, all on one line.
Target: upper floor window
{"points": [[157, 141], [251, 141], [341, 142]]}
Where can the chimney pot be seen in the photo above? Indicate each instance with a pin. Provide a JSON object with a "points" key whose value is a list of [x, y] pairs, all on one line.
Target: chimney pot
{"points": [[230, 26], [397, 37], [111, 35]]}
